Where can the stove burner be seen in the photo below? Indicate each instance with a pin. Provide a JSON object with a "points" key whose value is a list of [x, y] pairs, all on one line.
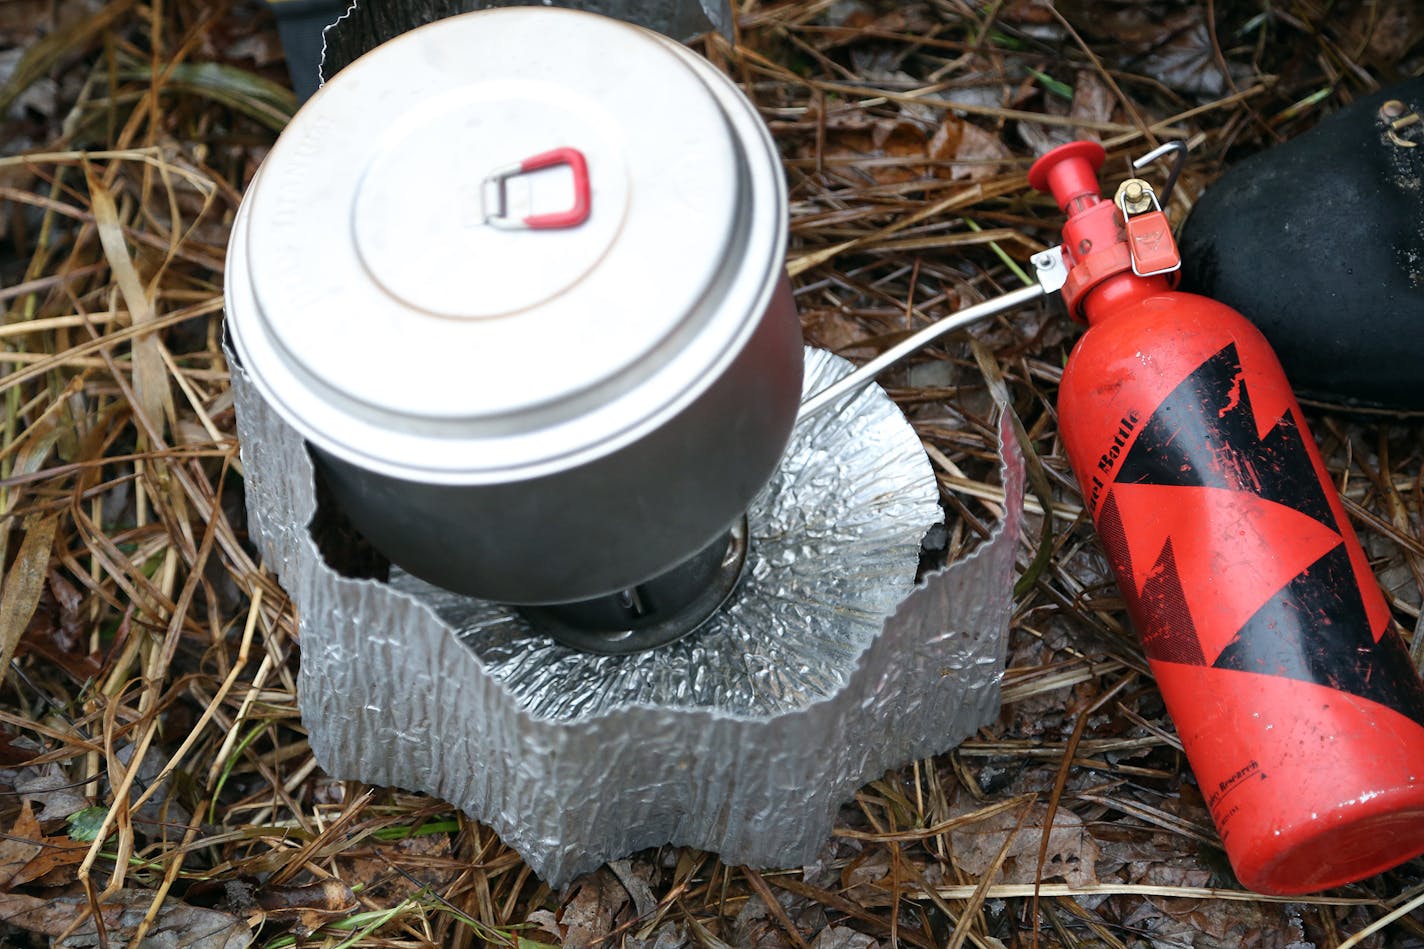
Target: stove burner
{"points": [[658, 611]]}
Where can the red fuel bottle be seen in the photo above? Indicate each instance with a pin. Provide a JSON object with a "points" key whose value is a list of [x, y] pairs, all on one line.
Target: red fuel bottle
{"points": [[1297, 704]]}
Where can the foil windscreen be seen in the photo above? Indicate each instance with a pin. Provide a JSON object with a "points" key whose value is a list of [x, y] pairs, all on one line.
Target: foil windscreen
{"points": [[369, 23], [828, 666]]}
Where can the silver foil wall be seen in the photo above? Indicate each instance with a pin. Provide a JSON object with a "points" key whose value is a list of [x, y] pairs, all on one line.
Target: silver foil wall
{"points": [[748, 751]]}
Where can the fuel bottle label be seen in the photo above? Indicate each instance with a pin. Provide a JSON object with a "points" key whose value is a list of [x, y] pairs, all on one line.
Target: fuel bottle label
{"points": [[1219, 798], [1229, 550]]}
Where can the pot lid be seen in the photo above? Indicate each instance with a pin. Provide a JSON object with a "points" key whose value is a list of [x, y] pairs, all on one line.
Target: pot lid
{"points": [[497, 222]]}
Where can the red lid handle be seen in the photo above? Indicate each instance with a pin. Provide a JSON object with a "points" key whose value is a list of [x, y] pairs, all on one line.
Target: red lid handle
{"points": [[494, 200], [578, 212], [1069, 172]]}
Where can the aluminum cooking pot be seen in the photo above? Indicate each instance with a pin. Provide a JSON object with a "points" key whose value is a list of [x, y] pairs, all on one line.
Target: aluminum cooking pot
{"points": [[516, 276]]}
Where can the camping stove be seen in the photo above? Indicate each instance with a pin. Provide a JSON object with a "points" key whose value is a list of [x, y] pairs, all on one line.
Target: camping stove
{"points": [[511, 287]]}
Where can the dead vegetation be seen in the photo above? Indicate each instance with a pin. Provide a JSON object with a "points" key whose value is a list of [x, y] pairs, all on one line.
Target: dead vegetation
{"points": [[157, 783]]}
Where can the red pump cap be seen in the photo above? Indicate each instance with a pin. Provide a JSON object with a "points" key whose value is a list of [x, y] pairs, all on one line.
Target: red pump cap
{"points": [[1094, 244], [1069, 172]]}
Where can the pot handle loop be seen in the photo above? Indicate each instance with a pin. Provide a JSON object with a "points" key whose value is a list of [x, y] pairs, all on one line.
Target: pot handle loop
{"points": [[572, 216]]}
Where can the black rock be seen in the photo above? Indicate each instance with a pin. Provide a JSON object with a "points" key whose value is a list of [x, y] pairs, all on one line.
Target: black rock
{"points": [[1320, 243]]}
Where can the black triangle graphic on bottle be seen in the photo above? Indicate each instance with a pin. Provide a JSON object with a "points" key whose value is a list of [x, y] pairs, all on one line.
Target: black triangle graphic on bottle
{"points": [[1204, 435], [1159, 610], [1315, 629]]}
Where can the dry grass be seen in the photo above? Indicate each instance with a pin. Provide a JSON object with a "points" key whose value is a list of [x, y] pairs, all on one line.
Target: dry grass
{"points": [[152, 685]]}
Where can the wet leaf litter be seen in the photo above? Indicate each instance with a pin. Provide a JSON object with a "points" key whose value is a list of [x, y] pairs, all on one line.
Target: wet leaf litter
{"points": [[149, 622]]}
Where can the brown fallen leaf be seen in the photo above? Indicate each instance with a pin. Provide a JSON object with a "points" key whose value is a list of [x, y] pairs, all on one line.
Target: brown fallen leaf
{"points": [[423, 861], [977, 154], [857, 135], [44, 53], [27, 855], [41, 638], [47, 786], [1212, 924], [1136, 26], [893, 139], [867, 871], [178, 926], [73, 625], [857, 18], [756, 928], [831, 329], [843, 937], [24, 584], [12, 751], [1034, 12], [1072, 851], [542, 926], [1185, 60], [20, 845], [1393, 28], [587, 917], [1093, 102], [57, 629], [52, 865], [21, 20]]}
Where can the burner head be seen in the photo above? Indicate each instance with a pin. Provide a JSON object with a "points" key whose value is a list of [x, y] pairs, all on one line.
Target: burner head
{"points": [[654, 613]]}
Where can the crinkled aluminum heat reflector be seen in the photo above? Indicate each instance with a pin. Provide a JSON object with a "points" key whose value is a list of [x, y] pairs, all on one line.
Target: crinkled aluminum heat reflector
{"points": [[835, 542], [744, 739]]}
